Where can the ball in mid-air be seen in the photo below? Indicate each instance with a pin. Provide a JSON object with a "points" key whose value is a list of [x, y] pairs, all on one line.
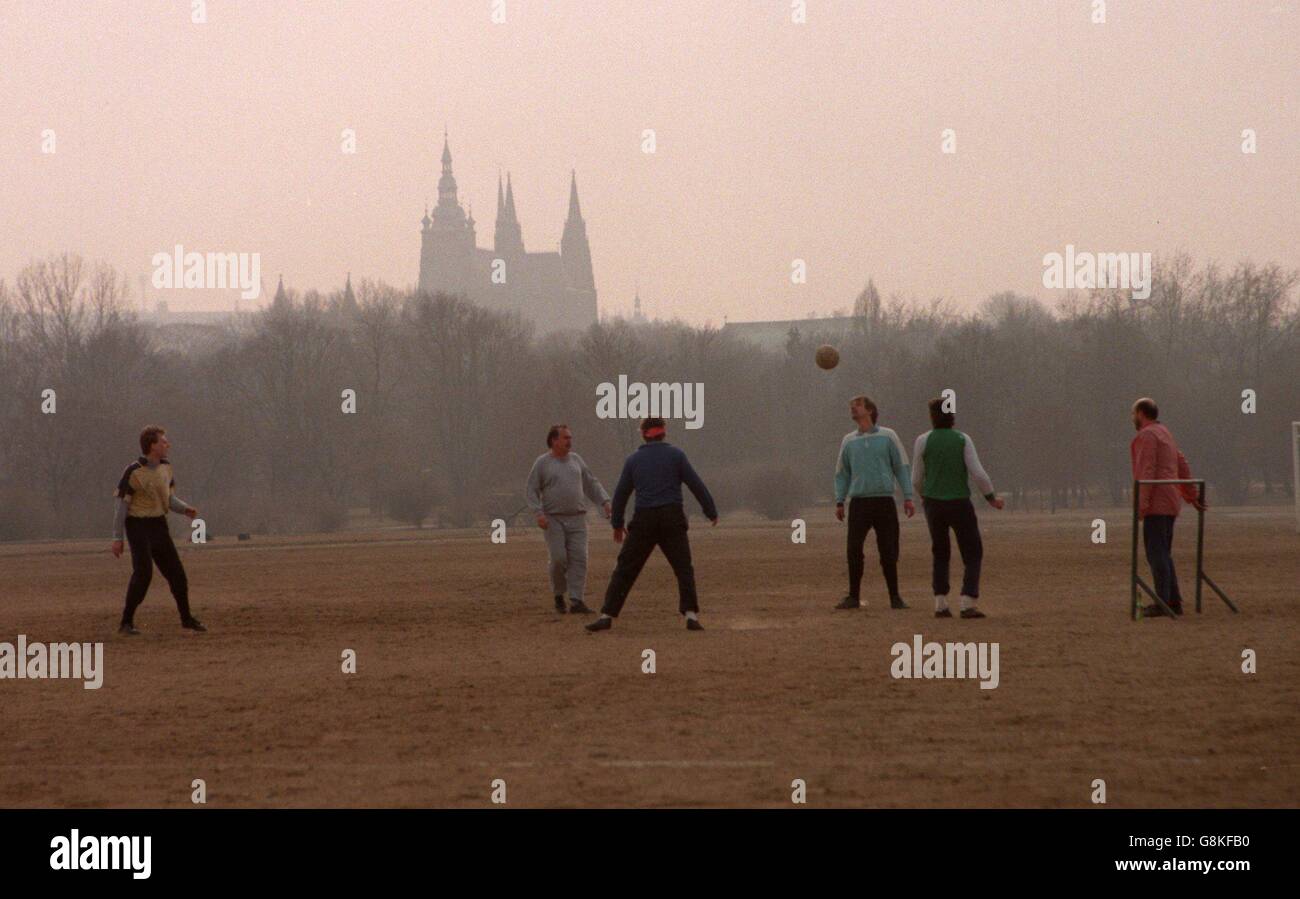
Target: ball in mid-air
{"points": [[827, 356]]}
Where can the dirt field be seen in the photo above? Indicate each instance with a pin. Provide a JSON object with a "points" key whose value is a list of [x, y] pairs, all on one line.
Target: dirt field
{"points": [[465, 675]]}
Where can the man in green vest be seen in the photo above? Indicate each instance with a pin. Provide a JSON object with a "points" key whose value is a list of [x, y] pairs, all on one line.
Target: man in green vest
{"points": [[944, 463]]}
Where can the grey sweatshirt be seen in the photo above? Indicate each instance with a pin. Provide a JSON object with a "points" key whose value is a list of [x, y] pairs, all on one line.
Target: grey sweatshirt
{"points": [[559, 486]]}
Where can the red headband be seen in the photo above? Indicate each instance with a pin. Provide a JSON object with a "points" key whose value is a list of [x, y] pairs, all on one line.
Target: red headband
{"points": [[657, 431]]}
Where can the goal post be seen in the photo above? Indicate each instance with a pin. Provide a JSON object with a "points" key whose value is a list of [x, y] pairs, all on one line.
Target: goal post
{"points": [[1295, 469], [1135, 580]]}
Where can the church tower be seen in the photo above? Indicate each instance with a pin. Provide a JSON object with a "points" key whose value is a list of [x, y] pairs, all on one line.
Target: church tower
{"points": [[574, 251], [637, 316], [281, 300], [446, 238], [348, 302]]}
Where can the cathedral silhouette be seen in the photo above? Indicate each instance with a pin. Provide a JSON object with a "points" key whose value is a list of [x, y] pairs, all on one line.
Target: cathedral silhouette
{"points": [[556, 291]]}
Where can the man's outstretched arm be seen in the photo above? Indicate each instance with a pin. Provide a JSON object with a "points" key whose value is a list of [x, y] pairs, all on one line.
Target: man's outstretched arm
{"points": [[120, 505], [1144, 467], [1189, 491], [533, 487], [591, 484], [696, 485], [918, 464], [843, 474], [902, 471], [976, 470]]}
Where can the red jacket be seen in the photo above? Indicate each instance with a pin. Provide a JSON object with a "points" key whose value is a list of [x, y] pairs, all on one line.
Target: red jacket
{"points": [[1156, 458]]}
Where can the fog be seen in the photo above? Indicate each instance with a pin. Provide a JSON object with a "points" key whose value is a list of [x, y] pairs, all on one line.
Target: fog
{"points": [[452, 402], [891, 178], [775, 141]]}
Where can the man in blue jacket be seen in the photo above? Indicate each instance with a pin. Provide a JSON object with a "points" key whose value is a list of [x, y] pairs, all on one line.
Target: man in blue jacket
{"points": [[656, 471]]}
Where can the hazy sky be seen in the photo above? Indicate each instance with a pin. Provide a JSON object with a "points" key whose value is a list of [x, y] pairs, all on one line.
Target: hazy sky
{"points": [[776, 141]]}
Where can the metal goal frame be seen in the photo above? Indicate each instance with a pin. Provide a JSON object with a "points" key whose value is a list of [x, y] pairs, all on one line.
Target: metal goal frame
{"points": [[1136, 581]]}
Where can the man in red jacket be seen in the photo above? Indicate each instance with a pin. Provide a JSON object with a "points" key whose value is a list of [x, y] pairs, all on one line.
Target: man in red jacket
{"points": [[1156, 457]]}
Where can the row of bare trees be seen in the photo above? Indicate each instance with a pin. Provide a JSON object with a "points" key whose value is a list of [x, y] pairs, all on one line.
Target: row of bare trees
{"points": [[452, 402]]}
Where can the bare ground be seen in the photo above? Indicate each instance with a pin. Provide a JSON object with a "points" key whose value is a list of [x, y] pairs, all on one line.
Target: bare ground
{"points": [[465, 675]]}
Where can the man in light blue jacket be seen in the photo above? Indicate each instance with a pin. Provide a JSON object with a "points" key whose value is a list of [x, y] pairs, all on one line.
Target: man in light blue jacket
{"points": [[870, 461]]}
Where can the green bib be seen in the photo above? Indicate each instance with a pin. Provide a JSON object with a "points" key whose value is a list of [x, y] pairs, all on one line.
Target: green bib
{"points": [[945, 465]]}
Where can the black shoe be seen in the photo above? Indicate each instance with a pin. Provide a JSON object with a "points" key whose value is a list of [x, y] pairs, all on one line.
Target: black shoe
{"points": [[194, 624], [559, 604], [128, 630], [600, 624], [580, 608], [896, 602], [943, 613], [972, 613], [849, 602], [693, 624]]}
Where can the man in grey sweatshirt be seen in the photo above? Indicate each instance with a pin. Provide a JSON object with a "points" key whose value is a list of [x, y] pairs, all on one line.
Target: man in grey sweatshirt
{"points": [[558, 486]]}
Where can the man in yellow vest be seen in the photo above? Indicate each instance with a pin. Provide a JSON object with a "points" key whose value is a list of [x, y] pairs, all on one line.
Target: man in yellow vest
{"points": [[146, 493]]}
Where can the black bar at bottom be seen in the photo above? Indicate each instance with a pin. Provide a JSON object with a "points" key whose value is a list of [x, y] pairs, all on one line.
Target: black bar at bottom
{"points": [[500, 847]]}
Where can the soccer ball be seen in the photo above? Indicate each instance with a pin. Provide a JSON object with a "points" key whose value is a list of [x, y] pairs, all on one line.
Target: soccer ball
{"points": [[827, 356]]}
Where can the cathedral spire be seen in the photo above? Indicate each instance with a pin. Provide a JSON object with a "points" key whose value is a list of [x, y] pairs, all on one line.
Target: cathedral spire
{"points": [[349, 298], [447, 215], [509, 234], [510, 200], [575, 211], [447, 183], [575, 253]]}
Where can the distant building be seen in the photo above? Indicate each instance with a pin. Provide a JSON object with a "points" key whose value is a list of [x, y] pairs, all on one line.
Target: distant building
{"points": [[348, 302], [774, 335], [281, 299], [556, 291], [637, 316]]}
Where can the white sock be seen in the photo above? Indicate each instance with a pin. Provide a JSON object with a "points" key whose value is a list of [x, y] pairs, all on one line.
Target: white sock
{"points": [[967, 602], [691, 616], [603, 616], [940, 603]]}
